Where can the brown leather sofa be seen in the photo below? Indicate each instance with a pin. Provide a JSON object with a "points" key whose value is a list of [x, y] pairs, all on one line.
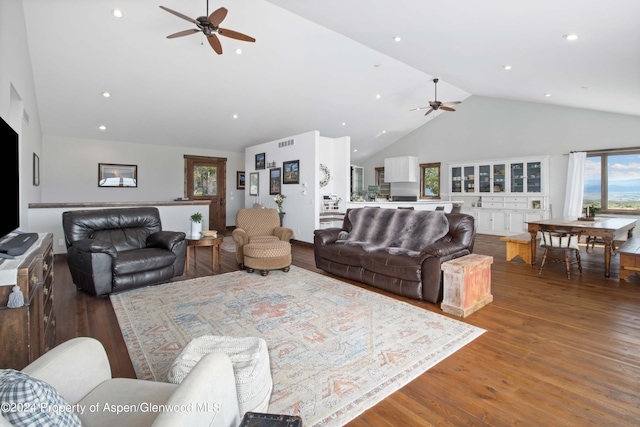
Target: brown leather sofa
{"points": [[399, 251], [112, 250]]}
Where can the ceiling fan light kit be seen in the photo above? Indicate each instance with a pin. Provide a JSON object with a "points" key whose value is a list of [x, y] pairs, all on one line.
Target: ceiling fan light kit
{"points": [[209, 26], [436, 105]]}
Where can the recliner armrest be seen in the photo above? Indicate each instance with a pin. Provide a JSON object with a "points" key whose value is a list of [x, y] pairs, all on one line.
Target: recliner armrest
{"points": [[95, 246], [441, 249], [73, 368], [165, 239], [327, 236]]}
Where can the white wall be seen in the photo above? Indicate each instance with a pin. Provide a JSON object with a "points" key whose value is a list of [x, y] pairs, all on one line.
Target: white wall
{"points": [[174, 218], [302, 203], [490, 128], [335, 154], [16, 73], [69, 171]]}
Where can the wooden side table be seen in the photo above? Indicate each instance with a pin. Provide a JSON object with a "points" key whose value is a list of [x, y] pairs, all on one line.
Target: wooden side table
{"points": [[467, 284], [213, 242]]}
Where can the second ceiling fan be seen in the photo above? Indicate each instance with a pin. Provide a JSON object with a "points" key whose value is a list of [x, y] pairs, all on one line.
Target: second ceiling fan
{"points": [[437, 105], [209, 26]]}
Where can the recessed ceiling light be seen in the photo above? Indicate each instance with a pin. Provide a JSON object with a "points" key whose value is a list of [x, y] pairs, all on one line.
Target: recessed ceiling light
{"points": [[570, 37], [397, 38], [378, 96], [117, 13], [547, 95], [355, 150], [106, 94], [235, 116], [239, 51], [507, 67], [344, 123], [102, 127], [384, 131]]}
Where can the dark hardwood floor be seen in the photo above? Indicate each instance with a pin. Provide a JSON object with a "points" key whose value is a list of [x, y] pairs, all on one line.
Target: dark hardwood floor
{"points": [[556, 351]]}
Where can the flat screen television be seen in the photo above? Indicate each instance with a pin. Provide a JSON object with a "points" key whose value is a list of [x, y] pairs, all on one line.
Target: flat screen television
{"points": [[10, 179]]}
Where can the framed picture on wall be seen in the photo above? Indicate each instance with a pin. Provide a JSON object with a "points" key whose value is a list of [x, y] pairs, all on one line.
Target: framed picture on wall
{"points": [[275, 179], [114, 175], [260, 161], [254, 184], [291, 172], [240, 177]]}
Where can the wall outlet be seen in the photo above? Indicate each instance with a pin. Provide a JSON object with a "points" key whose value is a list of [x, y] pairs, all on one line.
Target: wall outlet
{"points": [[60, 242]]}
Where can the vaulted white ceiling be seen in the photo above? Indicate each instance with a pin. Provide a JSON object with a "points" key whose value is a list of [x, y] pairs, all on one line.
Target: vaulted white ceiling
{"points": [[330, 65]]}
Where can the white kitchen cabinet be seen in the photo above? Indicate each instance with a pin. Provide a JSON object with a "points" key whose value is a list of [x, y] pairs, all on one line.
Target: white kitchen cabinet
{"points": [[492, 221], [509, 192], [401, 169], [357, 181], [524, 176], [504, 222]]}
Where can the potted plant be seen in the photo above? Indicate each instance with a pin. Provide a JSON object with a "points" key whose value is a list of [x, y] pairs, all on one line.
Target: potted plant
{"points": [[592, 210], [279, 199], [196, 224]]}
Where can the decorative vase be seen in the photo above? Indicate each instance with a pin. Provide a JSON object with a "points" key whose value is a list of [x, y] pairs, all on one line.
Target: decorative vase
{"points": [[196, 228], [282, 214]]}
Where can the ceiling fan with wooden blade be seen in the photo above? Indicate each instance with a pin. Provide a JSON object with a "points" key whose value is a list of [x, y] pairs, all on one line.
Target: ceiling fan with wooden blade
{"points": [[209, 26], [437, 105]]}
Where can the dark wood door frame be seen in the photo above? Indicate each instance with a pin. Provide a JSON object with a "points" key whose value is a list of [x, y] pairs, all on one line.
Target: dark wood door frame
{"points": [[218, 206]]}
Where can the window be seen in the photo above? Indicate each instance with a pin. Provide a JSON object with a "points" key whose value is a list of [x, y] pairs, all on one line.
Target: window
{"points": [[430, 180], [612, 181]]}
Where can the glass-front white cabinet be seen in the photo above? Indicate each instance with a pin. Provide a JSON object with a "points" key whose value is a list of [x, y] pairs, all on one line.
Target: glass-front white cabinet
{"points": [[526, 176], [503, 194], [357, 181]]}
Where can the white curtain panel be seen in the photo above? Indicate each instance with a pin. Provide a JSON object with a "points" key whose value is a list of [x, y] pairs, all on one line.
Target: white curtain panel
{"points": [[575, 184]]}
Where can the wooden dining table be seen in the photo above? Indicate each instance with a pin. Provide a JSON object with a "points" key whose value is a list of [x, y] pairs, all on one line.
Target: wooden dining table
{"points": [[607, 228]]}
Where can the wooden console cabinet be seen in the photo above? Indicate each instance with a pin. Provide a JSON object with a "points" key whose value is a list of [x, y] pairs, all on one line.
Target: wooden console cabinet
{"points": [[29, 331]]}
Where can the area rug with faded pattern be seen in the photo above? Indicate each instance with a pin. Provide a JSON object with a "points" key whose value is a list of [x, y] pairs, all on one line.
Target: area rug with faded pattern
{"points": [[335, 349]]}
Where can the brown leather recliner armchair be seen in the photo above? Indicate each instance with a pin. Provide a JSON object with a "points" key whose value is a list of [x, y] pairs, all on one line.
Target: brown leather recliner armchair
{"points": [[112, 250]]}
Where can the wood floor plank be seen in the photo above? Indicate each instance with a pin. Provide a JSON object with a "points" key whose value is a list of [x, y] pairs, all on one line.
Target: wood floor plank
{"points": [[556, 351]]}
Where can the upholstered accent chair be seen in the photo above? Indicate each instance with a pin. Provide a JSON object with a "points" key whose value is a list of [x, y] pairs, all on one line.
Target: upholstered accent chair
{"points": [[260, 228], [561, 240], [112, 250], [78, 374]]}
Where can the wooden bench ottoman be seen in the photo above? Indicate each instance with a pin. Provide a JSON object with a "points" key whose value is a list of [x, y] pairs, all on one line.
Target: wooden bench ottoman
{"points": [[518, 245], [629, 257]]}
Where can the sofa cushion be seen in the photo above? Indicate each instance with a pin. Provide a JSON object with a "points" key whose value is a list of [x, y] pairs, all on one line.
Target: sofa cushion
{"points": [[379, 228], [140, 260], [28, 401], [343, 254], [405, 267]]}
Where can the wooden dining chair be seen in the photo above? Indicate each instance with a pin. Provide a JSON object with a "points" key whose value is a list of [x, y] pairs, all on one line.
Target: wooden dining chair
{"points": [[592, 240], [563, 240]]}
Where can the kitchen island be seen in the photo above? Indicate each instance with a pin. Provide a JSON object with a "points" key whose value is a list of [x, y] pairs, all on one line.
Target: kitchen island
{"points": [[423, 205]]}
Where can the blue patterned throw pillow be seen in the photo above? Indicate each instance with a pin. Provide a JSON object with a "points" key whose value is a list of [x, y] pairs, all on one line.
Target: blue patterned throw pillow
{"points": [[27, 401]]}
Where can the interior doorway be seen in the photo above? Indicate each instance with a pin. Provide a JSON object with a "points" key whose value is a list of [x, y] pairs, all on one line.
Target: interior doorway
{"points": [[205, 178]]}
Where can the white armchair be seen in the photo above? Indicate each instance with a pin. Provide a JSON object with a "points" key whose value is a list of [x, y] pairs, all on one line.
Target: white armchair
{"points": [[79, 370]]}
